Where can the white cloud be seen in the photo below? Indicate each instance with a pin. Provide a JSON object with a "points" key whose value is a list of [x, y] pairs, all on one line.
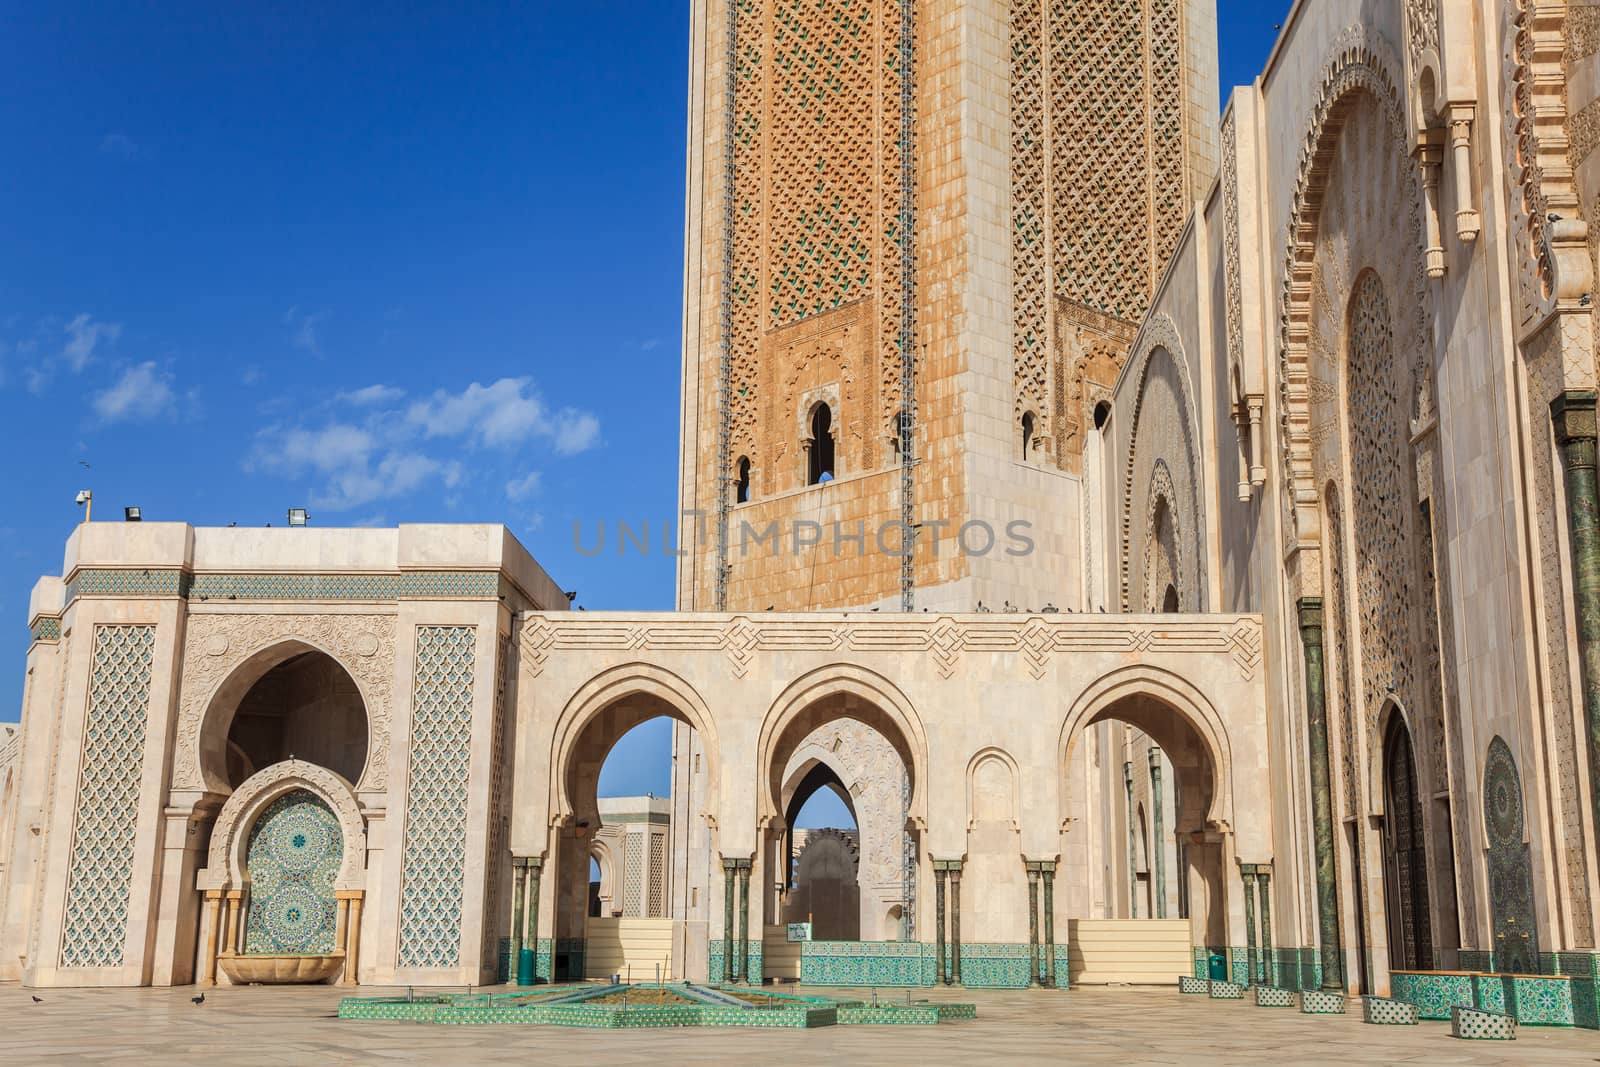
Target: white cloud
{"points": [[524, 487], [372, 448], [505, 413], [575, 431], [304, 327], [83, 337], [142, 392], [373, 395]]}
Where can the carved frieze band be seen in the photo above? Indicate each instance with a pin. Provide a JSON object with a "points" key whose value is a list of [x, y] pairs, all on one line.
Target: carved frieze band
{"points": [[945, 639]]}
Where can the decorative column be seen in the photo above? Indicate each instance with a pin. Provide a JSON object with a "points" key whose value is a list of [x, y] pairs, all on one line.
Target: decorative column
{"points": [[1269, 965], [744, 921], [1431, 156], [208, 970], [1047, 871], [1033, 923], [955, 921], [1158, 838], [518, 919], [1468, 222], [1247, 874], [350, 936], [1133, 845], [729, 876], [235, 903], [1573, 414], [1258, 467], [530, 943], [939, 974], [1310, 609]]}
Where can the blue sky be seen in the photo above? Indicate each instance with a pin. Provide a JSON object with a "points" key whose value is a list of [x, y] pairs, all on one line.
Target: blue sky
{"points": [[389, 265]]}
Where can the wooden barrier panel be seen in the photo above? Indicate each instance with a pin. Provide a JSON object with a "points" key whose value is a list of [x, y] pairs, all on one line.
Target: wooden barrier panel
{"points": [[1132, 951], [780, 957], [629, 947]]}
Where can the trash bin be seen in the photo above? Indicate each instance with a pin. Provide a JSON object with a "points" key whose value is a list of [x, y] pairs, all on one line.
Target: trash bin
{"points": [[1219, 968], [525, 967]]}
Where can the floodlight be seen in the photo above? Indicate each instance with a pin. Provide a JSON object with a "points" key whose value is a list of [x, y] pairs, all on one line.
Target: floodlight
{"points": [[132, 514], [83, 497], [298, 516]]}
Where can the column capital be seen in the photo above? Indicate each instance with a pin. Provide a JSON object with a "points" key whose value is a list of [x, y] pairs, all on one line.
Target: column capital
{"points": [[1310, 611], [1573, 415], [1247, 869], [949, 865]]}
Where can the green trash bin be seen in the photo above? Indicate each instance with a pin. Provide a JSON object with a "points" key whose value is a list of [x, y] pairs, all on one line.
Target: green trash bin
{"points": [[1219, 968]]}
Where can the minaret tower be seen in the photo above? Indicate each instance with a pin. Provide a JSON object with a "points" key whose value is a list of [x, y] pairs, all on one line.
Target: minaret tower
{"points": [[920, 237]]}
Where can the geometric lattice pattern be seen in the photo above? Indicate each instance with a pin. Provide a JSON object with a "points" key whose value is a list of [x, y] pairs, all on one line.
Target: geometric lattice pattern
{"points": [[1316, 1002], [658, 871], [433, 867], [816, 187], [1382, 1011], [422, 585], [106, 816], [1099, 186], [1272, 997], [295, 851], [633, 877], [1477, 1025]]}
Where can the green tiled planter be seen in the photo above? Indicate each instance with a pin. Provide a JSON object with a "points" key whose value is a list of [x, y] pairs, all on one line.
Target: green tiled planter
{"points": [[870, 963], [1190, 984], [1316, 1002], [1475, 1024], [1227, 991], [1386, 1011], [1539, 1000], [1273, 997]]}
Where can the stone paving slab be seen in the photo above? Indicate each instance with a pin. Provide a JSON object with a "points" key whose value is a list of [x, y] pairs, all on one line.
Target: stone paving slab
{"points": [[292, 1026]]}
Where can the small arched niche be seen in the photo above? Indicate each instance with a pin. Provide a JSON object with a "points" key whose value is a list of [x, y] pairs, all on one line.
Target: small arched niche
{"points": [[308, 708]]}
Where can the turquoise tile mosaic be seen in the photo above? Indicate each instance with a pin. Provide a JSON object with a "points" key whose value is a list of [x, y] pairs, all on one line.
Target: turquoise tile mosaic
{"points": [[868, 963], [1540, 1001], [987, 965], [293, 857], [1475, 1024], [1489, 992], [47, 629], [1435, 994], [405, 585]]}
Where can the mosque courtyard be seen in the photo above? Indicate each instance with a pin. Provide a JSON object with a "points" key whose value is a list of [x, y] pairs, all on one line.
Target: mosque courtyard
{"points": [[298, 1025]]}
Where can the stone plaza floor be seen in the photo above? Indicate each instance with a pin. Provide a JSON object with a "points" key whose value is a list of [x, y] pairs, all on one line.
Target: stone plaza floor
{"points": [[285, 1026]]}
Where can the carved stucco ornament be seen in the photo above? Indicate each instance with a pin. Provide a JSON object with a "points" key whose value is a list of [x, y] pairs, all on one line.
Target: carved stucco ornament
{"points": [[215, 646]]}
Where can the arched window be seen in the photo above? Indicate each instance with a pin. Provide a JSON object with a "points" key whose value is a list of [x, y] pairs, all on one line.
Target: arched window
{"points": [[1102, 412], [741, 492], [1027, 434], [1169, 603], [821, 451], [897, 434]]}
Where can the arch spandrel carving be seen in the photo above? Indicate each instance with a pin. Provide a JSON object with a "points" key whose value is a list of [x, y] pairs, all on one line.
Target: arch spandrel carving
{"points": [[1361, 68], [223, 649], [230, 835]]}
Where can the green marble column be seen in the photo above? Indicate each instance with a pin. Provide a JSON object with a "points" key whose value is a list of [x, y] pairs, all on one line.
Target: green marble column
{"points": [[1158, 842], [535, 870], [517, 917], [743, 960], [1321, 795], [939, 974], [1048, 872], [1133, 845], [1247, 875], [729, 876], [955, 922], [1269, 965], [1573, 414], [1033, 924]]}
